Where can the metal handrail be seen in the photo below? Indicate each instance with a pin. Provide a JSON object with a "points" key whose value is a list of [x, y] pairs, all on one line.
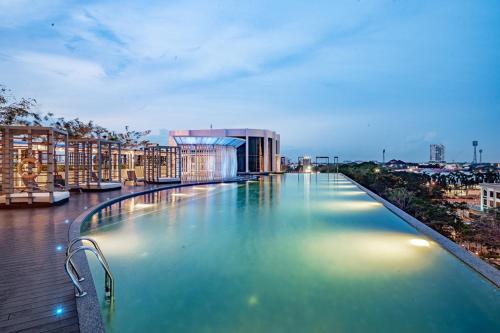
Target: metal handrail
{"points": [[76, 240], [109, 286]]}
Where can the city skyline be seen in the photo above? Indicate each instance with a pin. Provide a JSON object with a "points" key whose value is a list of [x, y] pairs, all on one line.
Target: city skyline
{"points": [[333, 79]]}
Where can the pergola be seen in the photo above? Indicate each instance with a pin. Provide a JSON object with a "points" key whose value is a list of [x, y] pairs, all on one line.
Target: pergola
{"points": [[132, 160], [162, 164], [34, 165], [94, 164], [322, 160]]}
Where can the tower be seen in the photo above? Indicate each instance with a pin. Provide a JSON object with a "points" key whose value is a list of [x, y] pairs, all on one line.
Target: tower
{"points": [[383, 156], [474, 144], [437, 153], [480, 156]]}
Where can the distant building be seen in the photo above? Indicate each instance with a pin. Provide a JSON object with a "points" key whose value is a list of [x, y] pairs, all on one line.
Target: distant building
{"points": [[437, 153], [490, 195], [305, 163], [285, 163], [259, 153]]}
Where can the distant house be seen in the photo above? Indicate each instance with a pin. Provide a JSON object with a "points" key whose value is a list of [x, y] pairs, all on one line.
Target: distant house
{"points": [[396, 164], [490, 195]]}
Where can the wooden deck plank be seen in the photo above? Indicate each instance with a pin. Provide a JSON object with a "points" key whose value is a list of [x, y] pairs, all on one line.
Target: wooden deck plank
{"points": [[33, 281]]}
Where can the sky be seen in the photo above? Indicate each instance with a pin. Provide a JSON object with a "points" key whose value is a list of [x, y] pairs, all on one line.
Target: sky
{"points": [[346, 78]]}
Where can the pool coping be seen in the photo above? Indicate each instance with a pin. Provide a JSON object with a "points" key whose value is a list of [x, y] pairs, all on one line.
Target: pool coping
{"points": [[483, 268], [88, 307]]}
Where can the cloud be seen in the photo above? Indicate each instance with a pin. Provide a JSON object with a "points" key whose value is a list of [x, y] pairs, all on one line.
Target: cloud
{"points": [[16, 13], [348, 77], [57, 65]]}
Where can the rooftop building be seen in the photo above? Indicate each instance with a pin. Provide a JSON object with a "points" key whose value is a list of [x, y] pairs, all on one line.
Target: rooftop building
{"points": [[258, 154]]}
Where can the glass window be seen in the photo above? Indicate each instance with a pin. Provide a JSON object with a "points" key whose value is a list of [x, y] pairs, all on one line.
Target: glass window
{"points": [[241, 156], [255, 154], [270, 153]]}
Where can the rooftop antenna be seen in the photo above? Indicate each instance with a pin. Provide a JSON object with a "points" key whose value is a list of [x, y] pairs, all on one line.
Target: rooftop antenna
{"points": [[480, 156], [474, 144]]}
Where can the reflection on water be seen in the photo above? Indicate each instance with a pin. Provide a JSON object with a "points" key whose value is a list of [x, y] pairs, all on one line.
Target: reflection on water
{"points": [[291, 253]]}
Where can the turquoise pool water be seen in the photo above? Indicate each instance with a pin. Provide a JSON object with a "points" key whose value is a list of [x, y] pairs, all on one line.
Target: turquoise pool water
{"points": [[291, 253]]}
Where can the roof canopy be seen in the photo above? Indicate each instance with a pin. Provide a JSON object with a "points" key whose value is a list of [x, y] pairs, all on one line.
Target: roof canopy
{"points": [[208, 140]]}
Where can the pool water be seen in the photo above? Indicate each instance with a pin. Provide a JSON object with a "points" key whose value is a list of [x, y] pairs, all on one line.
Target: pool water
{"points": [[289, 253]]}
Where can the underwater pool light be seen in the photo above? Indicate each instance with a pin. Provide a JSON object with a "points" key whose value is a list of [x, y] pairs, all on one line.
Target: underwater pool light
{"points": [[59, 311], [419, 242]]}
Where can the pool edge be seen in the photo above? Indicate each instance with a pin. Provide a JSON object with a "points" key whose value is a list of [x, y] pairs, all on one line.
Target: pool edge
{"points": [[88, 307], [484, 269]]}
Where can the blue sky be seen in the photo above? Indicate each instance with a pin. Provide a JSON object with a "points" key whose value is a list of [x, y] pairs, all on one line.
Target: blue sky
{"points": [[344, 78]]}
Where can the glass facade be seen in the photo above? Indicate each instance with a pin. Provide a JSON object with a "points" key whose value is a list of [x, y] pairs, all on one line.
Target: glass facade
{"points": [[207, 162], [241, 155], [255, 154], [257, 151]]}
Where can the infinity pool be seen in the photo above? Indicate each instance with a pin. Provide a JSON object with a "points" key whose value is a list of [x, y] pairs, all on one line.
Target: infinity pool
{"points": [[290, 253]]}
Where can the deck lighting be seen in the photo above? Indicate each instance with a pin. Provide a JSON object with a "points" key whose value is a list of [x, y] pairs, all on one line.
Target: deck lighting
{"points": [[419, 242], [66, 221], [59, 247]]}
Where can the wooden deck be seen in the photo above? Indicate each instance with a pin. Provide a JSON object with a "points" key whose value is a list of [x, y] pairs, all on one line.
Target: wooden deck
{"points": [[35, 293]]}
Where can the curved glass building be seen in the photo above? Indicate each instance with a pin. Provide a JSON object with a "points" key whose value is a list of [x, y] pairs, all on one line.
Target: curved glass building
{"points": [[208, 158], [258, 154]]}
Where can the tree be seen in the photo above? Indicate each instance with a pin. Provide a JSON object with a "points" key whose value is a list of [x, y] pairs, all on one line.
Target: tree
{"points": [[132, 138], [14, 112], [400, 196]]}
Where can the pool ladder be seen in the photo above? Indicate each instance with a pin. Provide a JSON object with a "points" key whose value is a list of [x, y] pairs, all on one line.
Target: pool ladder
{"points": [[75, 276]]}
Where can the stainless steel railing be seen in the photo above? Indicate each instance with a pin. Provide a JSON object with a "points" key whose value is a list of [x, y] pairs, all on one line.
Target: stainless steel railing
{"points": [[76, 277], [82, 239]]}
